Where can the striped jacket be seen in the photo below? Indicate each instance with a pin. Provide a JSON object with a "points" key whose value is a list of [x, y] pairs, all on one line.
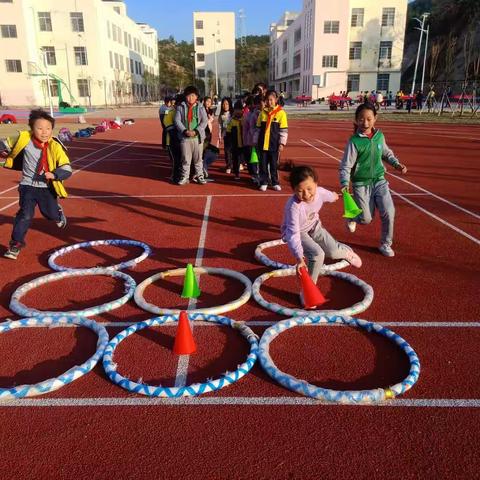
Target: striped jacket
{"points": [[272, 129]]}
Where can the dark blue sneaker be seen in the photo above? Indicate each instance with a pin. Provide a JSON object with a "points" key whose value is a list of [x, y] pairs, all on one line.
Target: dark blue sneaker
{"points": [[62, 223]]}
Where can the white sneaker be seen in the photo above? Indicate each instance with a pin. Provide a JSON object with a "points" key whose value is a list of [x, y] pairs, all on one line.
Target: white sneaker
{"points": [[228, 170], [386, 250], [263, 188], [353, 259], [277, 188], [351, 226]]}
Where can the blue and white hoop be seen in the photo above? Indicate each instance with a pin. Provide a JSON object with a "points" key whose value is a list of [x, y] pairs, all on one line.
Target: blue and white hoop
{"points": [[195, 389], [73, 373], [338, 396], [116, 242], [297, 312], [228, 307], [24, 311], [262, 258]]}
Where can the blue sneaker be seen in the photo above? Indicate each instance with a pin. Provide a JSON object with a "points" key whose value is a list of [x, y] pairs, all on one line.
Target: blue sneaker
{"points": [[62, 223]]}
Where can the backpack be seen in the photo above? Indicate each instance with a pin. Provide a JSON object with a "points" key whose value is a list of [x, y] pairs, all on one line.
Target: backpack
{"points": [[65, 135], [83, 133], [113, 125], [100, 129]]}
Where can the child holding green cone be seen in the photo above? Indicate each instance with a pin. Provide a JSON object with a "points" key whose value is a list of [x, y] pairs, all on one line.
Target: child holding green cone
{"points": [[362, 165]]}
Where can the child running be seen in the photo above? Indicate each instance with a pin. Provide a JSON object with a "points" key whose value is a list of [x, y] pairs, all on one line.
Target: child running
{"points": [[362, 165], [307, 239], [44, 164]]}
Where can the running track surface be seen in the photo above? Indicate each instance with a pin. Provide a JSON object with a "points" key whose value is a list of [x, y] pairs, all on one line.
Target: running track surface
{"points": [[428, 294]]}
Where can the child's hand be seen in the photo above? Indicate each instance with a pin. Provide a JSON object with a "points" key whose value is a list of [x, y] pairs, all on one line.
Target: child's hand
{"points": [[301, 263], [402, 168], [49, 175], [280, 148], [335, 196]]}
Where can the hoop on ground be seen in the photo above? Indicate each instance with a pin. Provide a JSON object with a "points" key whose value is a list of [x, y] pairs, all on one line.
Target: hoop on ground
{"points": [[119, 266], [337, 396], [24, 311], [298, 312], [262, 258], [73, 373], [228, 307], [196, 388]]}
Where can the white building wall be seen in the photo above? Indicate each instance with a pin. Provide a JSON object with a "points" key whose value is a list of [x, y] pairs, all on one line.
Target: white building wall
{"points": [[218, 33], [320, 77], [107, 83]]}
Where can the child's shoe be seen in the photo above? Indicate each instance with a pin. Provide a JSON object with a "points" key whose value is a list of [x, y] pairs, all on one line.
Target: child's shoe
{"points": [[386, 250], [351, 226], [13, 251], [62, 223], [277, 188], [201, 180], [228, 170], [353, 259], [263, 188], [183, 181]]}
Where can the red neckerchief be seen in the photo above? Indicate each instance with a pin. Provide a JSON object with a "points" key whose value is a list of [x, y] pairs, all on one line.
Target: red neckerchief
{"points": [[271, 114], [43, 165], [190, 113]]}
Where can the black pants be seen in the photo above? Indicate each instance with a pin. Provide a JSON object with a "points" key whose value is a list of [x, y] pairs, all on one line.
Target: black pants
{"points": [[30, 197], [268, 167], [176, 157], [237, 159], [252, 167]]}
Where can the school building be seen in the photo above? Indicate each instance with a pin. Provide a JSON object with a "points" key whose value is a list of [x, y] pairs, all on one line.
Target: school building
{"points": [[352, 45], [93, 52], [214, 44]]}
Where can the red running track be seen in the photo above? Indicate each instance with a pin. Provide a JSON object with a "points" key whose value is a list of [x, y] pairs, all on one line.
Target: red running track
{"points": [[428, 294]]}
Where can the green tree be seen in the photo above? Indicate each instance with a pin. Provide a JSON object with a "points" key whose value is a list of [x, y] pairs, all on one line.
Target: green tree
{"points": [[252, 61]]}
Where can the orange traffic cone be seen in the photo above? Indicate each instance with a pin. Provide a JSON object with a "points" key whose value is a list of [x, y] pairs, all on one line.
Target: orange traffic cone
{"points": [[312, 295], [184, 342]]}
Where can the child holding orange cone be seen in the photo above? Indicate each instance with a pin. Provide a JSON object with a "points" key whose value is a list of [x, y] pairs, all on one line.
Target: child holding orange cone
{"points": [[302, 230], [362, 165]]}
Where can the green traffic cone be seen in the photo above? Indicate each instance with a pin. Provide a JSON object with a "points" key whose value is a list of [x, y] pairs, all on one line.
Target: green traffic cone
{"points": [[190, 285], [254, 156], [349, 205]]}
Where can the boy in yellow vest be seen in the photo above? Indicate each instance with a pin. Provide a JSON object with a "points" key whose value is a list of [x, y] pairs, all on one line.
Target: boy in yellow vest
{"points": [[44, 164]]}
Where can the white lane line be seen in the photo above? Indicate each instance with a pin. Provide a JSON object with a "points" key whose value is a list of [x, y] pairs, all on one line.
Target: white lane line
{"points": [[200, 195], [247, 401], [72, 162], [74, 172], [438, 197], [427, 212], [182, 367]]}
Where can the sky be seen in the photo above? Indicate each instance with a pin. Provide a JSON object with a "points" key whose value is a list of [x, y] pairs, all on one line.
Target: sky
{"points": [[175, 17]]}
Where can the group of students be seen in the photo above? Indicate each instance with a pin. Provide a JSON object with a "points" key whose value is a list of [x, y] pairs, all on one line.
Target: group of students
{"points": [[253, 131], [44, 164]]}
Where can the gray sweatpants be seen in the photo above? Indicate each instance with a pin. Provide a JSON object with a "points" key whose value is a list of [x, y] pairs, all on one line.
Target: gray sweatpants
{"points": [[191, 152], [377, 195], [318, 244]]}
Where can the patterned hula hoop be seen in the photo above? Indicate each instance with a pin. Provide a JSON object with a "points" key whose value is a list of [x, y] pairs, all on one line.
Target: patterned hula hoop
{"points": [[195, 389], [228, 307], [297, 312], [73, 373], [262, 258], [24, 311], [119, 266], [338, 396]]}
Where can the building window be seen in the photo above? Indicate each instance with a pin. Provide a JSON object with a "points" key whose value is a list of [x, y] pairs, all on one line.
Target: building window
{"points": [[53, 87], [45, 21], [199, 24], [297, 36], [383, 80], [117, 62], [13, 65], [77, 21], [50, 57], [108, 30], [385, 52], [131, 65], [284, 66], [285, 46], [83, 89], [330, 61], [129, 41], [200, 57], [388, 17], [353, 82], [117, 9], [121, 62], [110, 54], [6, 1], [114, 32], [9, 31], [297, 60], [80, 55], [199, 41], [331, 26], [289, 22], [355, 50], [201, 72], [125, 38], [357, 17]]}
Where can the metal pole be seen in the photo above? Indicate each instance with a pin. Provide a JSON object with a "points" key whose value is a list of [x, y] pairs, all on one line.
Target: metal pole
{"points": [[48, 81], [418, 53], [216, 67], [68, 69], [425, 56]]}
